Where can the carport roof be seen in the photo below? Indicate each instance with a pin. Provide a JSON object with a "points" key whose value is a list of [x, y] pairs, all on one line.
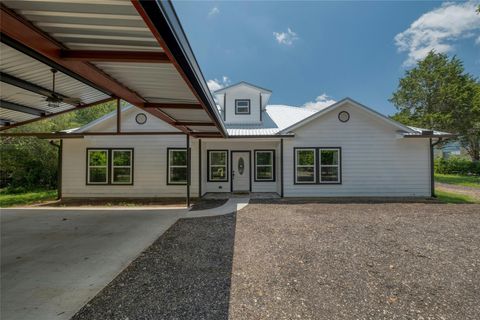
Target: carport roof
{"points": [[102, 49]]}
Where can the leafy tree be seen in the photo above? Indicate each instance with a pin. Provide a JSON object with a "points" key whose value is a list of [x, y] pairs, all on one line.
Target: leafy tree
{"points": [[438, 94]]}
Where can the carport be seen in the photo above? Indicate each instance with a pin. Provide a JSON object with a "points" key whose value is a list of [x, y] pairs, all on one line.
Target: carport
{"points": [[61, 56]]}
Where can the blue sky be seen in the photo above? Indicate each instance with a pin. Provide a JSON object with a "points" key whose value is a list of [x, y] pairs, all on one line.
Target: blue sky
{"points": [[311, 53]]}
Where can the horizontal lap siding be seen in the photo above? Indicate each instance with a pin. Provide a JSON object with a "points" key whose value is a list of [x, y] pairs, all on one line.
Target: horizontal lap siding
{"points": [[374, 161], [150, 156]]}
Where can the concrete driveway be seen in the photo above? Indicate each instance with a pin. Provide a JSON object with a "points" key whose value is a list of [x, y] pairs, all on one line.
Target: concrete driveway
{"points": [[53, 261]]}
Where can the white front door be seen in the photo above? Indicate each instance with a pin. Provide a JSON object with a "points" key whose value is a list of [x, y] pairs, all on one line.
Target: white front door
{"points": [[240, 171]]}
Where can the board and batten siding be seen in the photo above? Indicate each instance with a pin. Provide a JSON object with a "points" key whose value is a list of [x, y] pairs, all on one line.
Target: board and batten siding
{"points": [[150, 167], [374, 161]]}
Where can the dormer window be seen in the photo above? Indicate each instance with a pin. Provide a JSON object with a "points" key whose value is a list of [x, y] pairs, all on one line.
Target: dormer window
{"points": [[242, 106]]}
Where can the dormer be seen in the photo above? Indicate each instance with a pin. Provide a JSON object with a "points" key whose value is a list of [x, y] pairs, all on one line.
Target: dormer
{"points": [[242, 103]]}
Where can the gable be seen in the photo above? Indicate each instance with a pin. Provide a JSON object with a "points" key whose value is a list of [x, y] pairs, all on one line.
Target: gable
{"points": [[108, 123]]}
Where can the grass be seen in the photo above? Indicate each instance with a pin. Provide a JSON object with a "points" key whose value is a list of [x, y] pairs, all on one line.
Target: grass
{"points": [[455, 179], [31, 197], [451, 197]]}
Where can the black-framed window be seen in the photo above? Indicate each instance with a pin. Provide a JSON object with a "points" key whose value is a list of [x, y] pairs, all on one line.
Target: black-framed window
{"points": [[177, 170], [329, 165], [218, 165], [264, 165], [320, 165], [109, 166], [305, 165], [242, 106]]}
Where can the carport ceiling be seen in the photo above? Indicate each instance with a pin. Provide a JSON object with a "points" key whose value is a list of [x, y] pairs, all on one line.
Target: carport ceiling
{"points": [[101, 49]]}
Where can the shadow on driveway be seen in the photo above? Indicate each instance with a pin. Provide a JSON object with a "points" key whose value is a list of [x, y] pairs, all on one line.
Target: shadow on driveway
{"points": [[185, 274]]}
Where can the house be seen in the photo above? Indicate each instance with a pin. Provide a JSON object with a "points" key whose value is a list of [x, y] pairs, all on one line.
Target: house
{"points": [[343, 150]]}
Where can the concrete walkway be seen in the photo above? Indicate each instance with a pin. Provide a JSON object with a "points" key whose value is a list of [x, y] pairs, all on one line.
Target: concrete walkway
{"points": [[54, 260]]}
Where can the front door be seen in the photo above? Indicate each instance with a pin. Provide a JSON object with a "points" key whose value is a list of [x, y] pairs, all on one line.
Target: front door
{"points": [[240, 171]]}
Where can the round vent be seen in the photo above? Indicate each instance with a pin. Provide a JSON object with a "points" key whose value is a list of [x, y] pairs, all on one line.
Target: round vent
{"points": [[344, 116], [141, 118]]}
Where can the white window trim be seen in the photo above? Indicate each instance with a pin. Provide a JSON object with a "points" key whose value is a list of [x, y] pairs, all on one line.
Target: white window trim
{"points": [[210, 166], [114, 166], [329, 165], [89, 166], [169, 166], [264, 165], [242, 112], [306, 166]]}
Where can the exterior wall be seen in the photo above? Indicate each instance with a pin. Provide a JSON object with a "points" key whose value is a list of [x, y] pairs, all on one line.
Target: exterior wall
{"points": [[374, 161], [149, 167], [233, 144], [242, 92]]}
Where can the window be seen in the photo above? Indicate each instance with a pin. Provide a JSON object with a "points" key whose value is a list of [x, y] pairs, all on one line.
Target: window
{"points": [[305, 168], [329, 165], [264, 165], [242, 106], [110, 166], [177, 166], [97, 167], [217, 165], [121, 166]]}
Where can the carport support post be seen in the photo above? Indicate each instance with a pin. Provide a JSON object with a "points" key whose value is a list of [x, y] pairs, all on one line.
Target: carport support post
{"points": [[59, 183], [119, 116], [188, 170]]}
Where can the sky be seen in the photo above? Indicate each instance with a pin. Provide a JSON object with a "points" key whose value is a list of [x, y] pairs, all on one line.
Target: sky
{"points": [[313, 53]]}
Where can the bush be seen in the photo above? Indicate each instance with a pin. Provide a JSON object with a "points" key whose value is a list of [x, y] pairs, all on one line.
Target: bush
{"points": [[457, 165]]}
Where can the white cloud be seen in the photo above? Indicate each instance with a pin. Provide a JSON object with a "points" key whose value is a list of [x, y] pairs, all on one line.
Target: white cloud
{"points": [[216, 84], [321, 102], [438, 30], [214, 11], [286, 38]]}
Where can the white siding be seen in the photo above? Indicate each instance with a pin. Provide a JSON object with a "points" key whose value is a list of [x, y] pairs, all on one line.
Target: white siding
{"points": [[374, 161], [243, 92], [150, 167], [240, 146]]}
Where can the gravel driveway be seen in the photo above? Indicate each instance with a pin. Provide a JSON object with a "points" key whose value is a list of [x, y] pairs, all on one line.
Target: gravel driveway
{"points": [[296, 260]]}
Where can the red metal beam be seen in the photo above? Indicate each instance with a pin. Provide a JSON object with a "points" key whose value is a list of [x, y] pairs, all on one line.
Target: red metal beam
{"points": [[173, 105], [114, 56]]}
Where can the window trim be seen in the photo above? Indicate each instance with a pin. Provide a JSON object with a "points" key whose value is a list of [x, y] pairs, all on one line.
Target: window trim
{"points": [[249, 106], [226, 165], [112, 166], [272, 151], [315, 163], [109, 167], [339, 165], [168, 166], [317, 166]]}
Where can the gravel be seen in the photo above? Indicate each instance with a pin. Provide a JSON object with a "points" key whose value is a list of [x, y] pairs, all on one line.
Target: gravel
{"points": [[280, 259]]}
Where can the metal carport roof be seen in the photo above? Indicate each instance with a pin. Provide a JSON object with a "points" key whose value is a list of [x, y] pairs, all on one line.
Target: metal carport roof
{"points": [[103, 49]]}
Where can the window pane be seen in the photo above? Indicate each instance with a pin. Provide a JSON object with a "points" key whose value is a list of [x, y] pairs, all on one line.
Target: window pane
{"points": [[178, 157], [329, 174], [218, 173], [242, 103], [265, 173], [98, 158], [264, 158], [305, 174], [218, 158], [121, 175], [121, 158], [306, 157], [329, 157], [98, 175], [178, 175]]}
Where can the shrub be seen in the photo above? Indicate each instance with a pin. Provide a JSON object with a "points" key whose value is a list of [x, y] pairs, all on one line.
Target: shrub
{"points": [[457, 165]]}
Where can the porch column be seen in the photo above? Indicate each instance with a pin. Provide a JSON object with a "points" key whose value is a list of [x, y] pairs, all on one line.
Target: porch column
{"points": [[188, 170]]}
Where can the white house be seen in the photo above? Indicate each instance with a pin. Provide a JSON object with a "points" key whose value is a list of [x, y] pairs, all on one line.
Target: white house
{"points": [[344, 150]]}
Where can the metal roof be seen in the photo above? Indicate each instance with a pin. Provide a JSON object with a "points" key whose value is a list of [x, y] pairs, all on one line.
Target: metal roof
{"points": [[133, 50]]}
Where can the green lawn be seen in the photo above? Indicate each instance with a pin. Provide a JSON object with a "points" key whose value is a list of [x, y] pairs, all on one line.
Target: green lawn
{"points": [[15, 199], [451, 197], [468, 181]]}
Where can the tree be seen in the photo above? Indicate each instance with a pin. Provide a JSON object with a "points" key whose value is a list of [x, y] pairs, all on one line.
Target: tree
{"points": [[438, 94]]}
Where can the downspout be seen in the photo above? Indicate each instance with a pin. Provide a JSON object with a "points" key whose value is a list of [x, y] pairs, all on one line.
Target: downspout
{"points": [[432, 166], [59, 169]]}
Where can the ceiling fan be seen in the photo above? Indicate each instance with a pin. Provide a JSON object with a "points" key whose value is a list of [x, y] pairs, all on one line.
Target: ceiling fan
{"points": [[54, 99]]}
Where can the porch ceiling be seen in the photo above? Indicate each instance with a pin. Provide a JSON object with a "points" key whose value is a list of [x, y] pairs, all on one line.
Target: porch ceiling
{"points": [[132, 50]]}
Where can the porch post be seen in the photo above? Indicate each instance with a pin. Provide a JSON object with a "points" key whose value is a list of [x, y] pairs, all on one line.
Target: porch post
{"points": [[60, 160], [281, 167], [199, 168], [188, 170]]}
